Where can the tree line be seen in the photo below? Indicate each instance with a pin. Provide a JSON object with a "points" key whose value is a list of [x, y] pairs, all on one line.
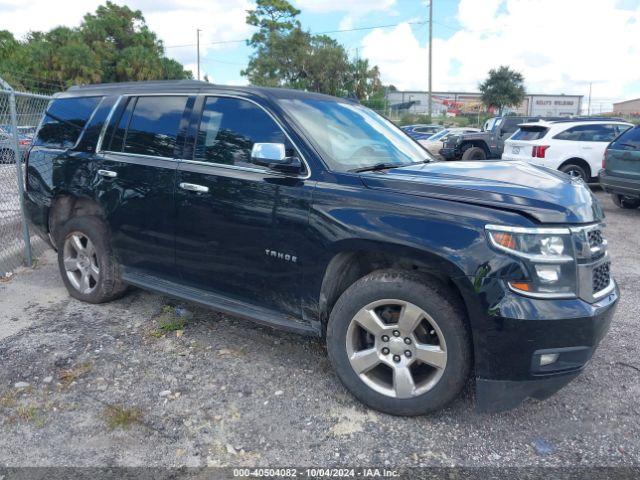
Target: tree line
{"points": [[114, 44], [286, 55]]}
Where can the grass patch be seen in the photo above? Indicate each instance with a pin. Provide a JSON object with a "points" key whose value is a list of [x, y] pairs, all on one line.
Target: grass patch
{"points": [[30, 413], [8, 399], [118, 416], [168, 321], [70, 375]]}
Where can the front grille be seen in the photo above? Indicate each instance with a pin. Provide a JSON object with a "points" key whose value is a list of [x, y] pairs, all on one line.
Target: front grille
{"points": [[601, 277], [595, 238]]}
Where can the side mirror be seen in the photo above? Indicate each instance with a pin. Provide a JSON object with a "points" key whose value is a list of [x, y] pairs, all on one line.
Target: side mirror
{"points": [[274, 156], [268, 153]]}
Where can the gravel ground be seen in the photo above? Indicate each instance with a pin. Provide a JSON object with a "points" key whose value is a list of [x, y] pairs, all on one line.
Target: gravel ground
{"points": [[105, 385]]}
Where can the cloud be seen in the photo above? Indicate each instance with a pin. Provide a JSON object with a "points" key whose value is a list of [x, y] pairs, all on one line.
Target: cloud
{"points": [[356, 7], [559, 46], [175, 21]]}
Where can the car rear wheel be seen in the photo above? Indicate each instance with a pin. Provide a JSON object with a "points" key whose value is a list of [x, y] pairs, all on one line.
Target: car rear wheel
{"points": [[575, 171], [399, 342], [625, 201], [87, 264], [474, 153]]}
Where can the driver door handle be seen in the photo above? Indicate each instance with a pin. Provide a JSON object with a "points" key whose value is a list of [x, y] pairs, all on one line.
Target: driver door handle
{"points": [[192, 187], [107, 173]]}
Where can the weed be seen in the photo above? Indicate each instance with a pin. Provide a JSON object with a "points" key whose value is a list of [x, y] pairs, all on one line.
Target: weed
{"points": [[118, 416], [68, 376], [168, 321], [8, 399], [27, 412]]}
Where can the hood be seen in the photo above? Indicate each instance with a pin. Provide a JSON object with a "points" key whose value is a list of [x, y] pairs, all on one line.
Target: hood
{"points": [[546, 195]]}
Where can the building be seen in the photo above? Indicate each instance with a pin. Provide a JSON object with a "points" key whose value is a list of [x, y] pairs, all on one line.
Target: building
{"points": [[456, 103], [628, 108]]}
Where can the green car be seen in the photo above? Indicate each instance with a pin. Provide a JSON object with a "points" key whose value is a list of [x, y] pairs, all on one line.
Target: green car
{"points": [[620, 174]]}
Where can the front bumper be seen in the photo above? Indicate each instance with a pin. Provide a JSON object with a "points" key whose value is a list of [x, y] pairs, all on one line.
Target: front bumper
{"points": [[449, 153], [617, 184], [517, 330]]}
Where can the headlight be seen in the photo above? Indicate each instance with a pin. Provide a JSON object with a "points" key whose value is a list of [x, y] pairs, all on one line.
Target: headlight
{"points": [[548, 257]]}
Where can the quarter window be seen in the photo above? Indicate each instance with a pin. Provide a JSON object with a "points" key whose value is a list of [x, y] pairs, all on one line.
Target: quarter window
{"points": [[228, 129], [154, 125], [64, 121]]}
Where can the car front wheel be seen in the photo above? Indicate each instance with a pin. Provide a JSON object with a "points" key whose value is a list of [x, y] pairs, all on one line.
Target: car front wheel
{"points": [[474, 153], [399, 342]]}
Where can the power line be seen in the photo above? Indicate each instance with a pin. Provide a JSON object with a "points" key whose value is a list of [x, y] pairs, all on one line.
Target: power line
{"points": [[344, 30]]}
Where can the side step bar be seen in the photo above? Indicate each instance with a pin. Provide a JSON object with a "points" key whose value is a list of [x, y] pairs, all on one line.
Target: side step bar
{"points": [[217, 302]]}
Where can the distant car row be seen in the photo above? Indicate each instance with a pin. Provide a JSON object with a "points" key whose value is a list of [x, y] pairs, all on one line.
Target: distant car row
{"points": [[25, 137], [585, 148]]}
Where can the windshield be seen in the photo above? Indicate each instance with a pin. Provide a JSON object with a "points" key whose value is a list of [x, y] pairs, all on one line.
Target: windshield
{"points": [[350, 136]]}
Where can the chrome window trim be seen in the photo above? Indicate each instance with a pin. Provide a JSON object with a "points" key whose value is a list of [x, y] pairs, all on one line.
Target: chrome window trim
{"points": [[235, 167], [89, 120], [276, 121], [107, 121], [142, 155], [199, 162]]}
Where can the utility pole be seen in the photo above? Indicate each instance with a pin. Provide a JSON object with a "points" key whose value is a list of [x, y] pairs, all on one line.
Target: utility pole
{"points": [[589, 104], [198, 47], [430, 53]]}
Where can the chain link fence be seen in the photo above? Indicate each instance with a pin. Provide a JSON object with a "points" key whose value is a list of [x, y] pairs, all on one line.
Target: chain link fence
{"points": [[20, 113]]}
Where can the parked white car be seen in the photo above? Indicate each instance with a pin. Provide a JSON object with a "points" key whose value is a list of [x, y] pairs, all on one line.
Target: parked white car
{"points": [[435, 142], [575, 147]]}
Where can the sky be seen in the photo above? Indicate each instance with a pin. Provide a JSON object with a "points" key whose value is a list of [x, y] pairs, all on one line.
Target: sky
{"points": [[560, 46]]}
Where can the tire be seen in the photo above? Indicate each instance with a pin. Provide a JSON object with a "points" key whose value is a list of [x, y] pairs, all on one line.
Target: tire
{"points": [[474, 153], [624, 201], [97, 260], [444, 314], [576, 171]]}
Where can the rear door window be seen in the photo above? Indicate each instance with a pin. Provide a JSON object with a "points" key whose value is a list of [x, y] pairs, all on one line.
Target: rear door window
{"points": [[150, 126], [228, 129], [64, 121], [589, 133], [630, 140]]}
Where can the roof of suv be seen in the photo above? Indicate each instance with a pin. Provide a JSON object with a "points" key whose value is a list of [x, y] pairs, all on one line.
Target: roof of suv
{"points": [[545, 123], [187, 86]]}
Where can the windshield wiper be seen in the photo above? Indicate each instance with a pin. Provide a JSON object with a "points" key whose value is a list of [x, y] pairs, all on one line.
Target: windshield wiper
{"points": [[377, 166]]}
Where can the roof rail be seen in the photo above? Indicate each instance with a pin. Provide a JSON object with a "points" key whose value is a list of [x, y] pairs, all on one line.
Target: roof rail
{"points": [[589, 119]]}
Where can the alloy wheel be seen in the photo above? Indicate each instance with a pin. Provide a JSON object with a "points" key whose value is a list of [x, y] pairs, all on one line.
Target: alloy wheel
{"points": [[81, 262], [574, 173], [396, 348]]}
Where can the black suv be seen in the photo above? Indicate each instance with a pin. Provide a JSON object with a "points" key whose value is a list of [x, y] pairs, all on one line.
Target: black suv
{"points": [[316, 215]]}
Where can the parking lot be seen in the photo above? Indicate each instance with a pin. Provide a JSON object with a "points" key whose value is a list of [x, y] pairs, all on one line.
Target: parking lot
{"points": [[146, 381]]}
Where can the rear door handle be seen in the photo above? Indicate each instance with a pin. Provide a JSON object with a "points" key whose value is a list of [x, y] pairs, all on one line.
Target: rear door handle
{"points": [[107, 173], [192, 187]]}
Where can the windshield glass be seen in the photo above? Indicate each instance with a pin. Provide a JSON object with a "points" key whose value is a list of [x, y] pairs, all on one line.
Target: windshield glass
{"points": [[350, 136]]}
